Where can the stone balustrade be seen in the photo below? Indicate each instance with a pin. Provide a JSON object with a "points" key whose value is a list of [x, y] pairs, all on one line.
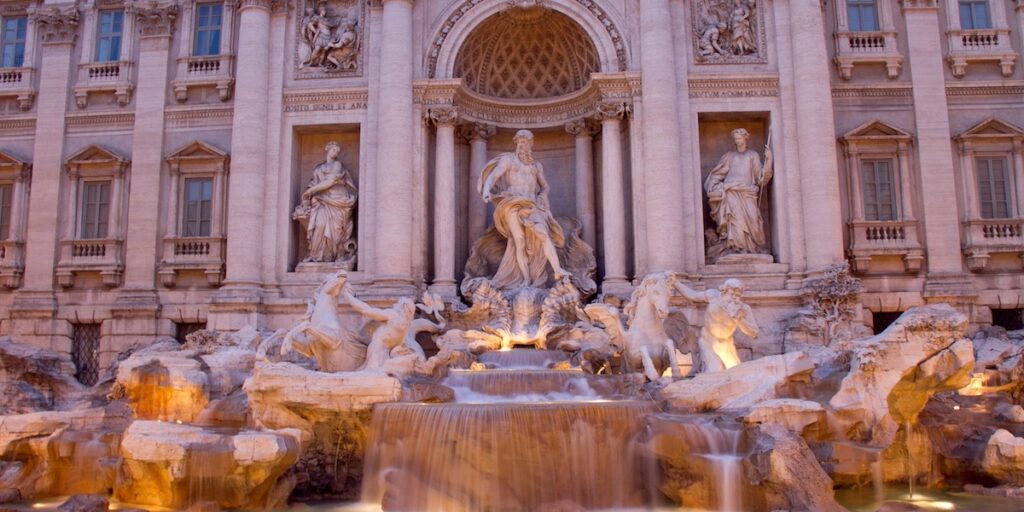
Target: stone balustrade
{"points": [[984, 237], [867, 47], [96, 77], [870, 239], [200, 71], [102, 255], [966, 46], [201, 254]]}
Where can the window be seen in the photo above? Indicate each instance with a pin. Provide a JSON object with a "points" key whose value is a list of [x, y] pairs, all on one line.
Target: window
{"points": [[182, 330], [95, 209], [6, 194], [879, 190], [993, 187], [862, 15], [881, 320], [974, 14], [13, 40], [108, 36], [85, 348], [198, 211], [208, 25], [1009, 319]]}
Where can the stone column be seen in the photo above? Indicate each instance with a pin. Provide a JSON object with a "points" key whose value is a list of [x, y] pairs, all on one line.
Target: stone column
{"points": [[815, 136], [584, 132], [142, 241], [248, 147], [34, 309], [613, 201], [444, 201], [934, 148], [663, 167], [477, 134], [395, 142]]}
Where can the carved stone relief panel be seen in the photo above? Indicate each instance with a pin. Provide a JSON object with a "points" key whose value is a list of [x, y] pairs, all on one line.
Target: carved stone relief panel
{"points": [[729, 32], [329, 38]]}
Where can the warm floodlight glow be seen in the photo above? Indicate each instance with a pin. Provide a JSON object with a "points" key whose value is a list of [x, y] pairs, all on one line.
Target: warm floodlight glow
{"points": [[976, 387]]}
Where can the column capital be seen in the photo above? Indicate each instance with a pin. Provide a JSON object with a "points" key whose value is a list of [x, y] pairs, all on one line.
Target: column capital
{"points": [[606, 110], [380, 3], [57, 25], [442, 116], [919, 5], [270, 5], [156, 20], [581, 128], [477, 131]]}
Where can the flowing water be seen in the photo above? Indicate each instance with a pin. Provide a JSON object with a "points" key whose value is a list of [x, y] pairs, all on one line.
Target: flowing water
{"points": [[512, 440]]}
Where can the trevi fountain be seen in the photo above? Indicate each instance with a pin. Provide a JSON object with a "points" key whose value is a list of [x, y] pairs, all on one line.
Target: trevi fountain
{"points": [[532, 394], [511, 255]]}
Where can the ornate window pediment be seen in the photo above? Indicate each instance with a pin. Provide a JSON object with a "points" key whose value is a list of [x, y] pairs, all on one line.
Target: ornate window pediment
{"points": [[93, 239], [530, 53], [195, 232], [882, 220], [992, 170]]}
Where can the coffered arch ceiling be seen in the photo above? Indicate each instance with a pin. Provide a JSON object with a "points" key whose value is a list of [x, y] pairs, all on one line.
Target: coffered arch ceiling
{"points": [[525, 54]]}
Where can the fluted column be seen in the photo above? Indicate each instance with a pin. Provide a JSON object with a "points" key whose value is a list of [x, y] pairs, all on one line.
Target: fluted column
{"points": [[444, 201], [613, 200], [934, 147], [248, 147], [815, 133], [395, 142], [477, 134], [663, 168], [156, 25], [584, 133], [58, 31]]}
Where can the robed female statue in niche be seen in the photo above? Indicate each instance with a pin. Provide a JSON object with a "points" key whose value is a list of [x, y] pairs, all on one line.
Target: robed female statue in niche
{"points": [[327, 212]]}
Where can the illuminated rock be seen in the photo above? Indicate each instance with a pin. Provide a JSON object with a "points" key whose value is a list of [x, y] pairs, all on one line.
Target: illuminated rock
{"points": [[165, 386], [1004, 458], [741, 386], [174, 466]]}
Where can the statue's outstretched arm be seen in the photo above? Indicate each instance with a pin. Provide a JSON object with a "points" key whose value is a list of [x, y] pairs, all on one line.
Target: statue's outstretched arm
{"points": [[747, 323], [690, 294], [365, 309]]}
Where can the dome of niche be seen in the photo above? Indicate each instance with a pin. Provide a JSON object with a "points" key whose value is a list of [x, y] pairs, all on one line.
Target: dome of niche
{"points": [[529, 53]]}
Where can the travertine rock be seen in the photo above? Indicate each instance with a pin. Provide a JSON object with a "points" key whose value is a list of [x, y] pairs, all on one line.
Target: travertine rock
{"points": [[85, 503], [171, 465], [797, 416], [332, 410], [1004, 458], [782, 465], [34, 379], [738, 387], [894, 373], [166, 386]]}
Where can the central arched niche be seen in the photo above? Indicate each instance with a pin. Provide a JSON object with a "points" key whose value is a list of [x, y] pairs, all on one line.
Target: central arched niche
{"points": [[527, 53]]}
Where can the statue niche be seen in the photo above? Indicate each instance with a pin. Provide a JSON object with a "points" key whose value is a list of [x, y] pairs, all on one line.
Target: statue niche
{"points": [[326, 212], [527, 276], [735, 190]]}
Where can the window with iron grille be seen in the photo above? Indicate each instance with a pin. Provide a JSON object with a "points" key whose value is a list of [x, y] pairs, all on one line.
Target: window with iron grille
{"points": [[879, 190], [85, 350], [974, 14], [198, 209], [183, 329], [13, 41], [1011, 319], [95, 209], [881, 320], [208, 25], [6, 192], [863, 15], [108, 36], [993, 187]]}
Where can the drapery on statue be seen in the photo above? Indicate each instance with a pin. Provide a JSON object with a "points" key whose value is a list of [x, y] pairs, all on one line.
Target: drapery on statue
{"points": [[734, 189], [326, 212], [515, 183], [332, 42], [726, 313]]}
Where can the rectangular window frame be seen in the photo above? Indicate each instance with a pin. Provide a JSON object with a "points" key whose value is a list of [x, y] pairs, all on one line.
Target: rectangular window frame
{"points": [[197, 213], [975, 14], [206, 37], [982, 167], [6, 210], [108, 43], [872, 189], [94, 213], [12, 47], [855, 11]]}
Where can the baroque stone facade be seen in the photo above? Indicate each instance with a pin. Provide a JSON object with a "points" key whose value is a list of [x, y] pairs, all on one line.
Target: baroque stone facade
{"points": [[152, 153]]}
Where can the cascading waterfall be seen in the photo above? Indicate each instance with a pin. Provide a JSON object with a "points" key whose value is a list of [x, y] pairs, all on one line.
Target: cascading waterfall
{"points": [[710, 455], [511, 441]]}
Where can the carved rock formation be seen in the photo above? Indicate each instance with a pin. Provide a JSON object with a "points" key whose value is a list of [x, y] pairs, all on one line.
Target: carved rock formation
{"points": [[739, 387]]}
